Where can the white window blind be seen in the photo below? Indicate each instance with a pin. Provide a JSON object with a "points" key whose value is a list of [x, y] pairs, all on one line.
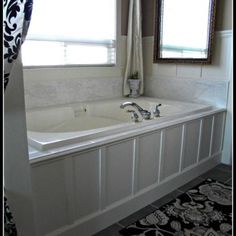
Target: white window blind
{"points": [[71, 32], [194, 43]]}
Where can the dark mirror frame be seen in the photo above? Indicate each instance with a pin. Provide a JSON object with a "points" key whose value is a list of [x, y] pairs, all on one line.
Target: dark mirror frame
{"points": [[157, 35]]}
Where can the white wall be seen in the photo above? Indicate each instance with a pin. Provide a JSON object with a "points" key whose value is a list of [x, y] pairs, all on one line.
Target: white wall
{"points": [[17, 176], [227, 145]]}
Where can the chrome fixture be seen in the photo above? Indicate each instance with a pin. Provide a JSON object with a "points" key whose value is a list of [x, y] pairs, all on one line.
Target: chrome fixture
{"points": [[144, 113], [157, 112], [134, 116]]}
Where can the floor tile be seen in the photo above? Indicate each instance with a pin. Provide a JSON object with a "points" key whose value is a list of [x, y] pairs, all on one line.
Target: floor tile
{"points": [[166, 198], [225, 167], [229, 182], [137, 215], [217, 174], [190, 184], [113, 230]]}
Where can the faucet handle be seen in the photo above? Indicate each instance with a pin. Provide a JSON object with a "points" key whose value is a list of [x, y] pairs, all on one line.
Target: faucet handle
{"points": [[134, 115], [157, 112]]}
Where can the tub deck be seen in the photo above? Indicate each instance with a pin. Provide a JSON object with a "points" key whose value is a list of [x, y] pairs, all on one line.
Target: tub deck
{"points": [[58, 128]]}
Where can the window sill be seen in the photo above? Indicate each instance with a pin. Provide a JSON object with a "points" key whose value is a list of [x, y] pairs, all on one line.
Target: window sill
{"points": [[69, 66]]}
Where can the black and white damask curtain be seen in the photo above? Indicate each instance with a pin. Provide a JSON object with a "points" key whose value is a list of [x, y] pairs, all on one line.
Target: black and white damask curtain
{"points": [[16, 20]]}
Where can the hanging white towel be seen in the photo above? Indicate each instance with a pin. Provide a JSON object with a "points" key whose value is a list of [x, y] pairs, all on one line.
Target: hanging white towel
{"points": [[134, 58]]}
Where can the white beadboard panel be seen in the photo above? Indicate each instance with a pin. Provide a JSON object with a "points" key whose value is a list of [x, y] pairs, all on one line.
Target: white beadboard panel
{"points": [[50, 195], [86, 174], [189, 71], [191, 139], [119, 170], [148, 161], [217, 133], [171, 154], [168, 69], [205, 138], [222, 57]]}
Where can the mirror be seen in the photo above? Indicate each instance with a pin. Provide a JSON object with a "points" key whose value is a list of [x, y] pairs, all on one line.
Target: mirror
{"points": [[184, 31]]}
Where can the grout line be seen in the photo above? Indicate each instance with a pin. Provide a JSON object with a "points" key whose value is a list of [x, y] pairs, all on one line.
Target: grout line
{"points": [[229, 180], [181, 190], [224, 170], [202, 178], [122, 226], [154, 206]]}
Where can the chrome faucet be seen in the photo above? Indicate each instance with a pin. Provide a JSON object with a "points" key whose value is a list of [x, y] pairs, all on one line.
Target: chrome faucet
{"points": [[156, 112], [144, 113], [134, 116]]}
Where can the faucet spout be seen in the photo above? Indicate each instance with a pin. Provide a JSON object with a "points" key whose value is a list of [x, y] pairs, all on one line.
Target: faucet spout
{"points": [[133, 104], [145, 114]]}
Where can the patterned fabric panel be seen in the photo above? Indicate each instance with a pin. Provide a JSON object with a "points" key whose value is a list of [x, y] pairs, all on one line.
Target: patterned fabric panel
{"points": [[16, 19]]}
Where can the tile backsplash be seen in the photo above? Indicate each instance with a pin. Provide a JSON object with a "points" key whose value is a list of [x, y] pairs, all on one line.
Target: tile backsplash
{"points": [[66, 91], [185, 82]]}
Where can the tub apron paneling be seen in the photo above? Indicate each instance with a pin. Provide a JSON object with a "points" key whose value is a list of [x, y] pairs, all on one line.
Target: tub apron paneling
{"points": [[205, 137], [82, 193], [172, 148], [50, 195], [219, 122], [191, 142], [86, 183], [148, 160], [119, 169]]}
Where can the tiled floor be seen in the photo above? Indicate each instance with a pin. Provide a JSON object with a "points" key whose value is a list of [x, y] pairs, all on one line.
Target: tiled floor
{"points": [[221, 173]]}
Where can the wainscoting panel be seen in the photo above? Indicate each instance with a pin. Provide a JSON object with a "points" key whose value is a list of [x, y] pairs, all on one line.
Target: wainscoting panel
{"points": [[86, 186], [85, 192], [205, 138], [172, 146], [218, 133], [191, 142], [119, 170], [148, 161], [222, 57], [49, 192]]}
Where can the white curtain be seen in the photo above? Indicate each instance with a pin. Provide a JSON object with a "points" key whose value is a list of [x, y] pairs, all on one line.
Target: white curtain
{"points": [[134, 59]]}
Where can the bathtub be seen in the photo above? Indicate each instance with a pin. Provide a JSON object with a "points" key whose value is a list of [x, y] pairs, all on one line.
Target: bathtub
{"points": [[91, 166], [57, 127]]}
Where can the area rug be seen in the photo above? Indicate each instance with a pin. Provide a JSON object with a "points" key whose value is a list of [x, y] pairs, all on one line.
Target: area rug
{"points": [[205, 210]]}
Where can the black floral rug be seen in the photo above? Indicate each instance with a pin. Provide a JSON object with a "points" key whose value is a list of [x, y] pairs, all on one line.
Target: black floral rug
{"points": [[205, 210]]}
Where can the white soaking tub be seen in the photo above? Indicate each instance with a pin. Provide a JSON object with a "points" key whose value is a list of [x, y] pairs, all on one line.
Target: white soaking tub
{"points": [[91, 165], [60, 126]]}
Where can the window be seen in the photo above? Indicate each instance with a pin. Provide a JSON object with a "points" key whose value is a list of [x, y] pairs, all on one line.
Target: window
{"points": [[193, 44], [80, 32]]}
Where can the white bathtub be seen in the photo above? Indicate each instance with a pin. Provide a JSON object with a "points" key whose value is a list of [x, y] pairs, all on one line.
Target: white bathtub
{"points": [[103, 167], [57, 127]]}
